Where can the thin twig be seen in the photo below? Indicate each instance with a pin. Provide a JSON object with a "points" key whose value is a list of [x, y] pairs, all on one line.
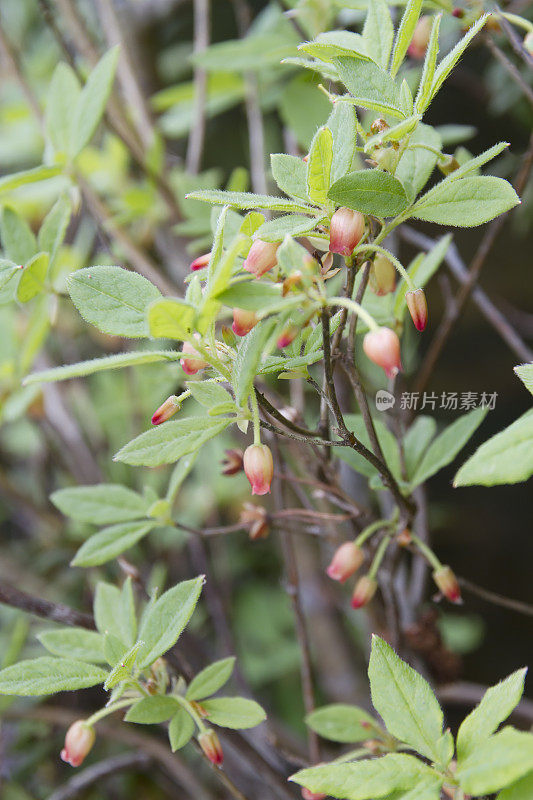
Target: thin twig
{"points": [[55, 612], [98, 772], [195, 145], [510, 68], [496, 599]]}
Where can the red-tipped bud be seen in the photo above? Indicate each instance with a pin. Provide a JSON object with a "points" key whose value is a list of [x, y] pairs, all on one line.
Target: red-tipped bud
{"points": [[243, 321], [419, 42], [192, 365], [528, 42], [78, 742], [287, 336], [448, 584], [458, 13], [232, 463], [418, 308], [200, 262], [261, 258], [382, 278], [259, 467], [307, 794], [382, 346], [166, 410], [346, 560], [345, 231], [255, 518], [210, 744], [364, 591]]}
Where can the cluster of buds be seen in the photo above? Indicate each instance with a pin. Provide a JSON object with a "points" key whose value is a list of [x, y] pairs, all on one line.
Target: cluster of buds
{"points": [[448, 584], [259, 467], [418, 308], [211, 747], [79, 740], [419, 42], [382, 277], [243, 321], [345, 562], [192, 365], [166, 410], [232, 462], [255, 518], [346, 230], [382, 346], [261, 258]]}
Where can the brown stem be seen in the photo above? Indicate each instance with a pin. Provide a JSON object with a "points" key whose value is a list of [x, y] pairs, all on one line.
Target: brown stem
{"points": [[55, 612]]}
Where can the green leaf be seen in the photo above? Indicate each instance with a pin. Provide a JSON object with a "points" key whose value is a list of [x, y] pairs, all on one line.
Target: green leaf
{"points": [[473, 164], [393, 134], [495, 706], [496, 762], [127, 612], [179, 473], [170, 318], [7, 271], [449, 61], [92, 101], [163, 621], [275, 230], [246, 364], [361, 780], [74, 643], [404, 700], [123, 669], [113, 299], [386, 440], [234, 712], [430, 62], [319, 166], [405, 33], [525, 373], [416, 442], [208, 393], [370, 191], [63, 96], [32, 279], [210, 679], [506, 457], [40, 676], [118, 361], [290, 173], [114, 649], [18, 242], [340, 722], [246, 200], [102, 504], [467, 202], [416, 165], [252, 295], [113, 611], [378, 33], [54, 227], [152, 710], [11, 182], [447, 444], [180, 729], [370, 86], [342, 124], [521, 790], [331, 44], [170, 441], [110, 543]]}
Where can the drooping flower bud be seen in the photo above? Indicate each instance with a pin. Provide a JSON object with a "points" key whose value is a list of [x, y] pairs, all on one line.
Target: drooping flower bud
{"points": [[232, 463], [382, 346], [382, 278], [255, 518], [287, 336], [200, 262], [528, 42], [419, 42], [210, 744], [448, 584], [192, 365], [166, 410], [261, 257], [243, 321], [346, 560], [259, 467], [364, 591], [307, 794], [418, 308], [345, 231], [78, 742]]}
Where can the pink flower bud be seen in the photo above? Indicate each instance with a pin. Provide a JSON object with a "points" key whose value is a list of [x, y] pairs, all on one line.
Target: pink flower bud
{"points": [[382, 278], [382, 346], [191, 365], [259, 467], [166, 410], [418, 308], [78, 741], [364, 591], [419, 42], [255, 518], [345, 231], [200, 262], [287, 336], [243, 321], [210, 744], [346, 560], [307, 794], [448, 584], [261, 258], [232, 463]]}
